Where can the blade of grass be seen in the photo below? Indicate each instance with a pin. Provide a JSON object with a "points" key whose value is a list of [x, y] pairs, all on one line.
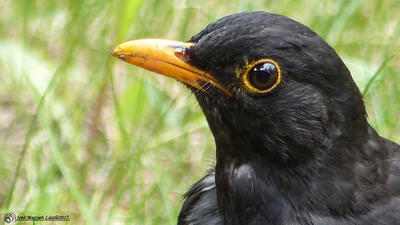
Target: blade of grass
{"points": [[31, 131], [376, 74], [58, 157]]}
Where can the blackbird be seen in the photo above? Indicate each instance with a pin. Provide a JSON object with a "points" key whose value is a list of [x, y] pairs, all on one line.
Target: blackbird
{"points": [[293, 145]]}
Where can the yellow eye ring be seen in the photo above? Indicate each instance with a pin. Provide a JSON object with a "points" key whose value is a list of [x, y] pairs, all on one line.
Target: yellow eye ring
{"points": [[266, 70]]}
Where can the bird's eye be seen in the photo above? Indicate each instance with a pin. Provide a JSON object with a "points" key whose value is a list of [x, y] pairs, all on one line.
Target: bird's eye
{"points": [[262, 76]]}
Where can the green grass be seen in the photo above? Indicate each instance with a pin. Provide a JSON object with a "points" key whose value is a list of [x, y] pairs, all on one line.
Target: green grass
{"points": [[84, 134]]}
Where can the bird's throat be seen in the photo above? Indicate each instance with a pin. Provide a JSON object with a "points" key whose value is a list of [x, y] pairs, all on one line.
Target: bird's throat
{"points": [[248, 185], [244, 192]]}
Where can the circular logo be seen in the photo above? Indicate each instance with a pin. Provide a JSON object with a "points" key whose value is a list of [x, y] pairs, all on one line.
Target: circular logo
{"points": [[10, 218]]}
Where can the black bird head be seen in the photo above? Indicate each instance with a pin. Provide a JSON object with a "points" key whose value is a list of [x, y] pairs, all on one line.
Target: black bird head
{"points": [[270, 87]]}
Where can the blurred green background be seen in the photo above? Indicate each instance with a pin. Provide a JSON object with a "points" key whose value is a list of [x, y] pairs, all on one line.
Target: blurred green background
{"points": [[84, 134]]}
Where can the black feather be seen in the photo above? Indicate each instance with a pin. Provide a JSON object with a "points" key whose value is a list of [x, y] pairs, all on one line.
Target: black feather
{"points": [[301, 154]]}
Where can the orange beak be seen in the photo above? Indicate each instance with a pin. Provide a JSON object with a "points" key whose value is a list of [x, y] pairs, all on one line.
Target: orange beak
{"points": [[166, 58]]}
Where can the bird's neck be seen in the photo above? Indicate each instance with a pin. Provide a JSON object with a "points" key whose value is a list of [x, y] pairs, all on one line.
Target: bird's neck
{"points": [[253, 189]]}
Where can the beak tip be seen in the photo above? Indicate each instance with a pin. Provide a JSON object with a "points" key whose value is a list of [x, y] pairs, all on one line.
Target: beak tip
{"points": [[112, 52], [116, 52]]}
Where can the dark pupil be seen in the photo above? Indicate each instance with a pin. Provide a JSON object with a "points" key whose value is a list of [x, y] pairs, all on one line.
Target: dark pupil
{"points": [[263, 76]]}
